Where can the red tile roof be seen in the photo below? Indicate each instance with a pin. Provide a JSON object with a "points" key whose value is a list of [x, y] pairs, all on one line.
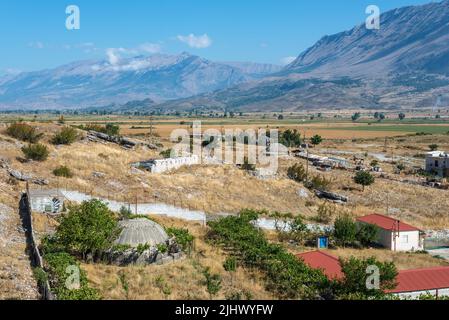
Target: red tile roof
{"points": [[408, 280], [326, 262], [422, 279], [386, 223]]}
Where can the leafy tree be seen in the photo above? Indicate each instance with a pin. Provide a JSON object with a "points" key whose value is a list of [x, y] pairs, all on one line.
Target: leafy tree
{"points": [[290, 138], [374, 163], [433, 147], [356, 281], [401, 116], [296, 172], [345, 230], [367, 234], [280, 117], [364, 178], [316, 140], [36, 152], [356, 116], [87, 228], [23, 132], [66, 136], [63, 171]]}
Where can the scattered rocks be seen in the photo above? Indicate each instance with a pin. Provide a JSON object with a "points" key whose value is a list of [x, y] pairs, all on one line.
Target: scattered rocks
{"points": [[302, 193], [96, 174], [331, 196]]}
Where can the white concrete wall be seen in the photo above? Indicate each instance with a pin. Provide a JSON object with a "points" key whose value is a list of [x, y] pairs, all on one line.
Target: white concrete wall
{"points": [[164, 165], [416, 294]]}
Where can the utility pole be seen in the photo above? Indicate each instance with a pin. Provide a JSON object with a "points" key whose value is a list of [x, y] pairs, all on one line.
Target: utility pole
{"points": [[307, 158], [151, 128]]}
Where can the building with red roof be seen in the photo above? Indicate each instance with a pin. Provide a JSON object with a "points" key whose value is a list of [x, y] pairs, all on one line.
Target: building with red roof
{"points": [[326, 262], [410, 283], [394, 234]]}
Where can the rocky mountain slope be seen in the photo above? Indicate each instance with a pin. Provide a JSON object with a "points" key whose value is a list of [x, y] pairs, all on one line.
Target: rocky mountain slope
{"points": [[404, 64], [157, 77]]}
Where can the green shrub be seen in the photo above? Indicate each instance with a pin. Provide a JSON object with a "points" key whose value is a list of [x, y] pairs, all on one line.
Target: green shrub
{"points": [[162, 248], [40, 275], [23, 132], [319, 182], [58, 266], [63, 171], [182, 237], [66, 136], [296, 172], [36, 152], [166, 154]]}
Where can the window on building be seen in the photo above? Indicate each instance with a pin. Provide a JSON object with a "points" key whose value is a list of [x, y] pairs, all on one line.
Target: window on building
{"points": [[404, 239], [436, 163]]}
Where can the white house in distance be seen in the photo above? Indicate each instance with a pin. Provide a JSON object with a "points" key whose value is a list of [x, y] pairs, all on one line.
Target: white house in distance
{"points": [[394, 234], [438, 162]]}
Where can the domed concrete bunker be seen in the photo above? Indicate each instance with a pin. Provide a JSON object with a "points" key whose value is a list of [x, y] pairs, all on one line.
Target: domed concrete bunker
{"points": [[141, 231]]}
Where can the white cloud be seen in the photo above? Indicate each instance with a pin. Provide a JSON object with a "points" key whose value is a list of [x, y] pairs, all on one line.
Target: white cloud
{"points": [[36, 45], [194, 41], [150, 47], [287, 60], [115, 54]]}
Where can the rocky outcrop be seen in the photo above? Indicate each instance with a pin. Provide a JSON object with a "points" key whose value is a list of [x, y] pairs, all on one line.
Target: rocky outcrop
{"points": [[27, 177], [148, 256], [128, 143], [331, 196]]}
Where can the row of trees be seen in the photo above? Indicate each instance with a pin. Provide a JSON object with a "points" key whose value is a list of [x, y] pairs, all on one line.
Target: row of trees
{"points": [[289, 277]]}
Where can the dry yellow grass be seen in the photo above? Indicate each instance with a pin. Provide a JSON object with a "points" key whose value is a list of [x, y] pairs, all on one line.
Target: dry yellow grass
{"points": [[402, 260], [184, 278]]}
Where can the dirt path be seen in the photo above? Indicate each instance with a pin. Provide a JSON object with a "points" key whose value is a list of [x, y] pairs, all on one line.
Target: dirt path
{"points": [[16, 276]]}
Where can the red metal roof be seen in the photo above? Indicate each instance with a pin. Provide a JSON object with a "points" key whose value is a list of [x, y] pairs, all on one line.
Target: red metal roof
{"points": [[326, 262], [386, 223], [408, 280], [422, 280]]}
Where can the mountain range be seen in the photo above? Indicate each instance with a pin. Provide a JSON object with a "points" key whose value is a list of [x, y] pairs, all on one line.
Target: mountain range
{"points": [[404, 64]]}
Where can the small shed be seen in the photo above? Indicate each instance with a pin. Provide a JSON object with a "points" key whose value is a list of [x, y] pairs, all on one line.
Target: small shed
{"points": [[394, 234], [46, 201]]}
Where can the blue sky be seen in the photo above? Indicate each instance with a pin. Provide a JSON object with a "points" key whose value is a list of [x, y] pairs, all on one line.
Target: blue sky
{"points": [[34, 36]]}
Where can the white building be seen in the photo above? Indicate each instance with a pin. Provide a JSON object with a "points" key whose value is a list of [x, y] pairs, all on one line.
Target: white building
{"points": [[438, 162], [394, 234]]}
